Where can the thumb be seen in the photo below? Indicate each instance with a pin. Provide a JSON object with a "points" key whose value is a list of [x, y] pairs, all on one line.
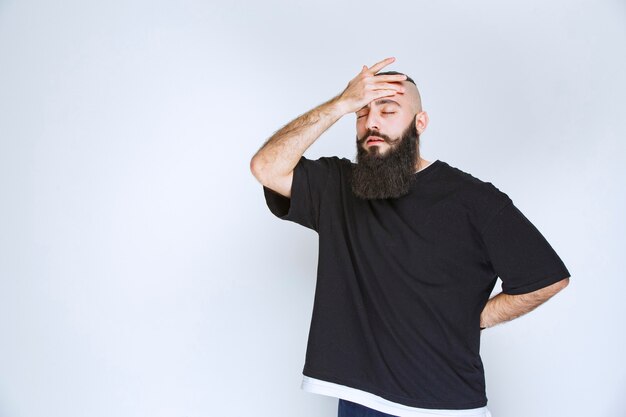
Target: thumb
{"points": [[364, 68]]}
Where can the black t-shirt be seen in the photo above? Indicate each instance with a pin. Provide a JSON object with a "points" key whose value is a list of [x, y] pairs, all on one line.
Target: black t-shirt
{"points": [[401, 282]]}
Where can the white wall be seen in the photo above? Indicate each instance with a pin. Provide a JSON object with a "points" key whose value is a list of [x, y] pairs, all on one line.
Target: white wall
{"points": [[141, 273]]}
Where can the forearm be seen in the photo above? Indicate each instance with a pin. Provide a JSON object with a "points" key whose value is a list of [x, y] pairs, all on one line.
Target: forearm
{"points": [[280, 153], [505, 307]]}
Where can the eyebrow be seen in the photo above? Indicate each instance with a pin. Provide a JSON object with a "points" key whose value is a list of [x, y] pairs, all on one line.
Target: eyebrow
{"points": [[382, 101]]}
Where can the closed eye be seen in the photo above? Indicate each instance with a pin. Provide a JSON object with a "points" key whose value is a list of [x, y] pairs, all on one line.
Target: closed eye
{"points": [[383, 112]]}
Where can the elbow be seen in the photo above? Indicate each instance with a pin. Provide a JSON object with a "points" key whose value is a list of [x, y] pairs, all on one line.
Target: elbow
{"points": [[256, 168], [262, 170], [253, 166]]}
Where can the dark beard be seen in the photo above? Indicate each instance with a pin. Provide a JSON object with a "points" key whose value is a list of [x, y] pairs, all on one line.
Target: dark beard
{"points": [[390, 175]]}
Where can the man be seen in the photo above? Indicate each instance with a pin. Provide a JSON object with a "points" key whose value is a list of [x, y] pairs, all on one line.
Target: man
{"points": [[409, 252]]}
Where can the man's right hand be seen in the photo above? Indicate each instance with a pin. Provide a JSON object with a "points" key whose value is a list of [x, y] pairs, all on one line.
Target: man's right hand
{"points": [[366, 87]]}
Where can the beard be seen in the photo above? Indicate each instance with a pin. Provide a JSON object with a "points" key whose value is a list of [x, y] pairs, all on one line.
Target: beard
{"points": [[388, 175]]}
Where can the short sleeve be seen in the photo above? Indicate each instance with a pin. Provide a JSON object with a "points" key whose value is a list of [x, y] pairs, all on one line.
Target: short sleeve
{"points": [[519, 253], [310, 178]]}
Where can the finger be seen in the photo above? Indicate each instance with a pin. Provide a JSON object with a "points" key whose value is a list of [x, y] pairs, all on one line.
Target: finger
{"points": [[364, 69], [383, 93], [389, 86], [390, 78], [380, 65], [378, 94]]}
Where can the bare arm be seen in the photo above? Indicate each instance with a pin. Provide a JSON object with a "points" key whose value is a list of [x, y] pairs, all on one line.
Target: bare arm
{"points": [[274, 163], [504, 307]]}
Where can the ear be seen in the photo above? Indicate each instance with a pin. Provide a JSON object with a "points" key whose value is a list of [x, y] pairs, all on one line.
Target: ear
{"points": [[421, 121]]}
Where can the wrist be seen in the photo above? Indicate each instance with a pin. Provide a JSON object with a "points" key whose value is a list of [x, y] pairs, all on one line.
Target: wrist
{"points": [[337, 107]]}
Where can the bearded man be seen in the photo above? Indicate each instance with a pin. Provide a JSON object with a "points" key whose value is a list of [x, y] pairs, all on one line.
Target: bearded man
{"points": [[409, 253]]}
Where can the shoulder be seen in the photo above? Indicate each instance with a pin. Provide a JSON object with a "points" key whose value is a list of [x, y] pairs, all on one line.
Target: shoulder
{"points": [[474, 187], [482, 197], [325, 164], [325, 161]]}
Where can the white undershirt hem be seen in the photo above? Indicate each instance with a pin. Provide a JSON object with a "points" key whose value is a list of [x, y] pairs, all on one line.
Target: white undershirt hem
{"points": [[317, 386]]}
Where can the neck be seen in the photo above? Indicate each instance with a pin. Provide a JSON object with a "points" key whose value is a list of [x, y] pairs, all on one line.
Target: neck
{"points": [[421, 164]]}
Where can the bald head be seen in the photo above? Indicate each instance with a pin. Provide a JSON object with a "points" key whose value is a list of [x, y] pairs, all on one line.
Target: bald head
{"points": [[411, 91]]}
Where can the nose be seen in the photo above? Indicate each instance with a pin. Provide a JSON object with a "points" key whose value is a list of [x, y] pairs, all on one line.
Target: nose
{"points": [[372, 122]]}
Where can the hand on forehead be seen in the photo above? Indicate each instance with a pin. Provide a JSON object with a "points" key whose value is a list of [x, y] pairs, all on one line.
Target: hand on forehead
{"points": [[409, 98]]}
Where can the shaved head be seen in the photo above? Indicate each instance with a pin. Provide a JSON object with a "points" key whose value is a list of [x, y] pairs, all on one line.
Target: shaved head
{"points": [[411, 91]]}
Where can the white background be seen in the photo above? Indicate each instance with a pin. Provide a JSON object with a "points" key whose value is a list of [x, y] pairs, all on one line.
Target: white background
{"points": [[141, 273]]}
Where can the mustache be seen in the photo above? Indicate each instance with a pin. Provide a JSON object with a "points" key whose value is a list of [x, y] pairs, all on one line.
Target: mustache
{"points": [[371, 133]]}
